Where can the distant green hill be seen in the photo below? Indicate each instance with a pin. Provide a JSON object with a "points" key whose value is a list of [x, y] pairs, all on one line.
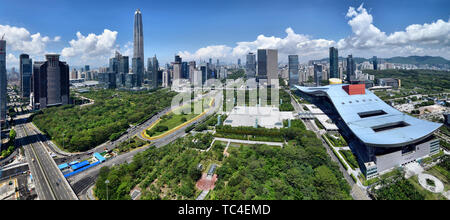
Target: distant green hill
{"points": [[419, 60], [416, 60]]}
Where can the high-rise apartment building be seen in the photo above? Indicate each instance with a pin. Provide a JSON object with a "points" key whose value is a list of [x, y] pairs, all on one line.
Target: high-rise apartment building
{"points": [[50, 82]]}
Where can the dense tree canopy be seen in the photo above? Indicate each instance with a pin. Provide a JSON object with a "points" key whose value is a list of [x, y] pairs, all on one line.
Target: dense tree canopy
{"points": [[300, 170], [86, 127], [431, 80]]}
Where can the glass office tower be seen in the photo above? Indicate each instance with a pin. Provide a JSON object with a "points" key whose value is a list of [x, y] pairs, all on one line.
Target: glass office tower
{"points": [[293, 70]]}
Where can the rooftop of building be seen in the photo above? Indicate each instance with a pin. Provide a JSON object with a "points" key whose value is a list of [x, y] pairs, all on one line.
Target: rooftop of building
{"points": [[372, 120], [268, 117]]}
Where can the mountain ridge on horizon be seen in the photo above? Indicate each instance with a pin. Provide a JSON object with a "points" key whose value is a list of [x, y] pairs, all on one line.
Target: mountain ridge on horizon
{"points": [[416, 60]]}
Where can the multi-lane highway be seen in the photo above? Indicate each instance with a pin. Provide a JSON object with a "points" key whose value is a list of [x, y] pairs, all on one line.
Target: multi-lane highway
{"points": [[50, 182]]}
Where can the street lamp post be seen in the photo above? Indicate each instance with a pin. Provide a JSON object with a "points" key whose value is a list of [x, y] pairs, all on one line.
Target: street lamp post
{"points": [[106, 182]]}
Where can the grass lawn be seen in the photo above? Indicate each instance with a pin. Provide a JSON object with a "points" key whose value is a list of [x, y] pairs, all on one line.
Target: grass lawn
{"points": [[428, 195], [176, 118], [350, 158], [440, 173], [337, 142], [172, 121], [319, 125]]}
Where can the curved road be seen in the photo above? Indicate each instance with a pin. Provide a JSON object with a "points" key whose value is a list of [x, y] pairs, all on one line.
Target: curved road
{"points": [[87, 178]]}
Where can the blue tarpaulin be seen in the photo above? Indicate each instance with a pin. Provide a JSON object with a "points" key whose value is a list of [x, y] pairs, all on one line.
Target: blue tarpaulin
{"points": [[79, 165], [99, 157], [73, 162], [63, 166], [80, 170]]}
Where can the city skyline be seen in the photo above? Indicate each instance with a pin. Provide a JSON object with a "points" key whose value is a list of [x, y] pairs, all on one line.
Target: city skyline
{"points": [[355, 27]]}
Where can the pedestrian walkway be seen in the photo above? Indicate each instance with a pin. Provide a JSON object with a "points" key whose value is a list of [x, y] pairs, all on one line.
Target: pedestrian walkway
{"points": [[202, 195], [280, 144]]}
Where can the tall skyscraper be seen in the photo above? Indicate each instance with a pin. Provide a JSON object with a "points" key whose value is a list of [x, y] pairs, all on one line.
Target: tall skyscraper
{"points": [[178, 59], [334, 63], [272, 65], [119, 64], [293, 70], [3, 79], [149, 64], [192, 68], [239, 62], [318, 74], [351, 68], [138, 70], [148, 72], [177, 68], [262, 64], [250, 65], [25, 68], [154, 74], [375, 63], [138, 35], [204, 70], [184, 70], [50, 82], [73, 75], [166, 78], [138, 55], [267, 64]]}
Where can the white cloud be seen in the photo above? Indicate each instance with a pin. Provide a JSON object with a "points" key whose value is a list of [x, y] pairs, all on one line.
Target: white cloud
{"points": [[91, 49], [216, 51], [291, 44], [11, 60], [20, 40], [127, 49], [435, 33], [366, 40], [415, 39]]}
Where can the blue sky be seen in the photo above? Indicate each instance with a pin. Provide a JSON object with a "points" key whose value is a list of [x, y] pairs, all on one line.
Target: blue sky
{"points": [[172, 27]]}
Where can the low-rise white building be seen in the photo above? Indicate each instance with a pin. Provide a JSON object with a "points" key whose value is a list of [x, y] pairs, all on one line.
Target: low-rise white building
{"points": [[267, 117]]}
